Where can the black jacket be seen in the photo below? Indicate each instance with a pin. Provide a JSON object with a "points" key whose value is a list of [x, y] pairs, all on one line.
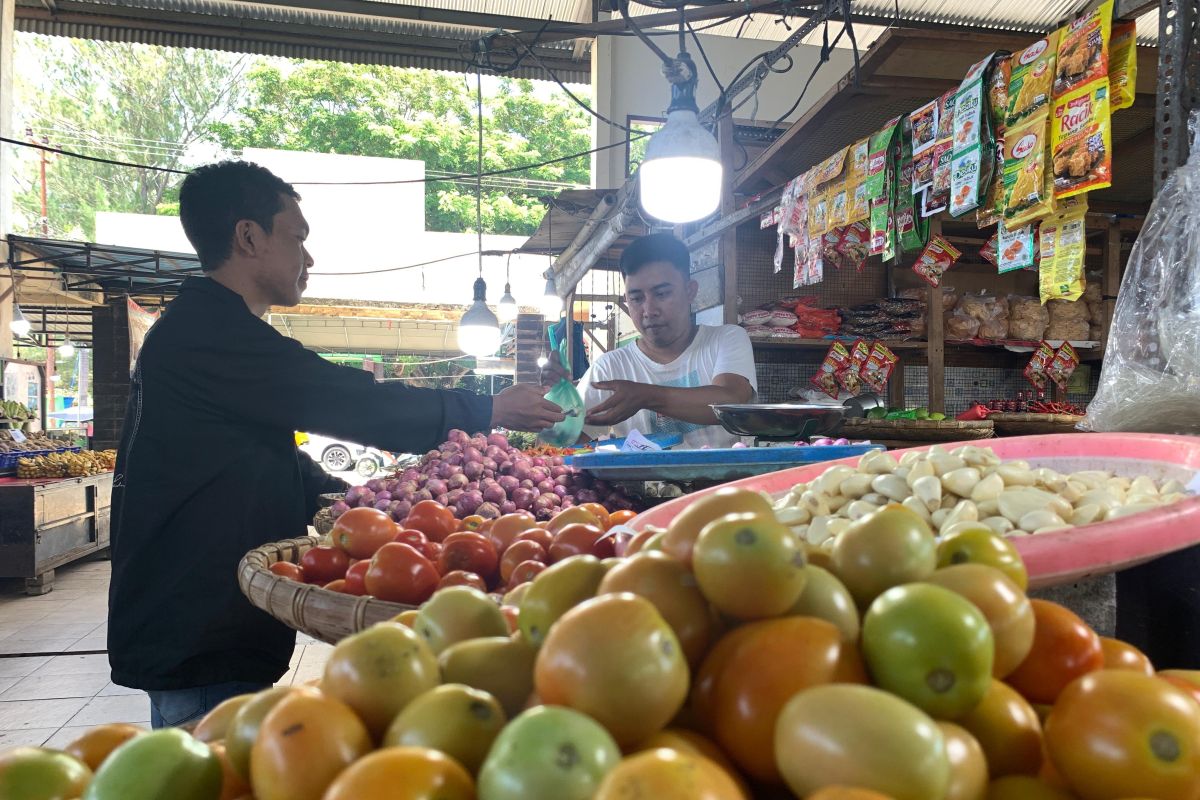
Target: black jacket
{"points": [[208, 469]]}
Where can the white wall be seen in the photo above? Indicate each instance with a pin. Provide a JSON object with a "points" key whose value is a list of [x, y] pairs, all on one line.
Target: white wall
{"points": [[627, 80]]}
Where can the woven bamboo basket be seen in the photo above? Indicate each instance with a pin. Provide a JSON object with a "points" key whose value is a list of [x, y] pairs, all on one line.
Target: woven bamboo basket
{"points": [[322, 614], [917, 430], [1034, 424]]}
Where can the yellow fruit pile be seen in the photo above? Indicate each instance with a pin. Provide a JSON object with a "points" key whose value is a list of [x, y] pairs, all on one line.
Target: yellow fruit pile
{"points": [[67, 464], [715, 661]]}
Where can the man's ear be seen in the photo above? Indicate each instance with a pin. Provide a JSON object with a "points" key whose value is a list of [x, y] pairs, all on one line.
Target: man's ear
{"points": [[247, 238], [692, 289]]}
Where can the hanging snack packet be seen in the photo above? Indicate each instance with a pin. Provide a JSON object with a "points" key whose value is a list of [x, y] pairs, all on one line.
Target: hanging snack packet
{"points": [[1083, 49], [849, 377], [860, 153], [989, 251], [1122, 65], [991, 207], [839, 204], [970, 164], [1080, 135], [1062, 365], [923, 165], [1063, 247], [1028, 195], [1035, 370], [879, 152], [924, 123], [836, 360], [818, 214], [880, 211], [1032, 83], [879, 366], [937, 257], [851, 247], [1016, 247], [831, 167], [860, 204]]}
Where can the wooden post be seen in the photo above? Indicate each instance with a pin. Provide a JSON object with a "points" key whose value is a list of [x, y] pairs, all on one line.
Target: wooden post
{"points": [[896, 386], [728, 252], [936, 336], [1110, 281]]}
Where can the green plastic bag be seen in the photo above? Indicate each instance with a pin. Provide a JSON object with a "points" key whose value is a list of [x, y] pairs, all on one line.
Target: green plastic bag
{"points": [[564, 394]]}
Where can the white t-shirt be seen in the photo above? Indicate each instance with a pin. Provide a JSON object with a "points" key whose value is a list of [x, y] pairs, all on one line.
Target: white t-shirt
{"points": [[716, 350]]}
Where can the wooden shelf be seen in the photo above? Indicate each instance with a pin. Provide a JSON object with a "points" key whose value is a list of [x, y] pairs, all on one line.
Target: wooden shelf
{"points": [[958, 353], [823, 344]]}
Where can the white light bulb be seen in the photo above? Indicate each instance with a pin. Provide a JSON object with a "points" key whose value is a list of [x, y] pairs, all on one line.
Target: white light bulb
{"points": [[507, 310], [680, 177], [66, 349], [551, 303], [19, 325], [478, 329]]}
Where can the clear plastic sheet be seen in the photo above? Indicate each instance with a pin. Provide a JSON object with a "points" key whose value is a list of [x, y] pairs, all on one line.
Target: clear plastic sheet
{"points": [[1150, 380]]}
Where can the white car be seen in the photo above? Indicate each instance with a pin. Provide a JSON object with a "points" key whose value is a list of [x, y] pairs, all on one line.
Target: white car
{"points": [[332, 454]]}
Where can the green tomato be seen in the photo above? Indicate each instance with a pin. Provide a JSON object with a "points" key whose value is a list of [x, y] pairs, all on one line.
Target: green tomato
{"points": [[548, 752], [456, 614], [555, 591], [163, 763], [35, 773], [930, 646], [882, 550]]}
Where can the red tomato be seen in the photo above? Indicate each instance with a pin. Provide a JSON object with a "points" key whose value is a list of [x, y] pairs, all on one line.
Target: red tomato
{"points": [[622, 517], [460, 577], [471, 523], [324, 564], [432, 519], [525, 572], [599, 512], [505, 529], [540, 535], [400, 574], [355, 578], [1064, 648], [362, 531], [410, 537], [510, 616], [524, 550], [577, 539], [472, 552], [286, 569], [338, 586]]}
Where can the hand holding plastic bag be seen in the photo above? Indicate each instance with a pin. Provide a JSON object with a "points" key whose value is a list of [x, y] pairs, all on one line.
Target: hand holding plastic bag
{"points": [[563, 393]]}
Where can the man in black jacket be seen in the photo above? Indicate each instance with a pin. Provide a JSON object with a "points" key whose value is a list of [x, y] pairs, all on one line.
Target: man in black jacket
{"points": [[208, 467]]}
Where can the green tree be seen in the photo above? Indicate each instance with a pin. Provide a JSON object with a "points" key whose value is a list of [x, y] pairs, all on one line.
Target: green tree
{"points": [[431, 116], [136, 103]]}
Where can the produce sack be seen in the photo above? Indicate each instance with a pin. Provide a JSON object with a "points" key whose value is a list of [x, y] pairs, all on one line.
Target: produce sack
{"points": [[1150, 380]]}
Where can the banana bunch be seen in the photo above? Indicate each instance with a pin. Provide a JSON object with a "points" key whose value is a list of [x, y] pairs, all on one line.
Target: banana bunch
{"points": [[11, 409], [33, 441], [67, 465]]}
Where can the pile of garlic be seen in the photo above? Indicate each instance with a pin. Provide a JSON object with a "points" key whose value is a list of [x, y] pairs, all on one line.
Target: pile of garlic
{"points": [[965, 486]]}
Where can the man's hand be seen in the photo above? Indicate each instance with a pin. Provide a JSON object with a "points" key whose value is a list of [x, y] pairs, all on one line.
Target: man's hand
{"points": [[627, 399], [524, 408], [553, 372]]}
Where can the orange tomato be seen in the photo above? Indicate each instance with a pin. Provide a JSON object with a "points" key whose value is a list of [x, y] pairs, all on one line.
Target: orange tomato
{"points": [[505, 529], [846, 793], [579, 539], [616, 659], [286, 569], [336, 586], [302, 745], [687, 741], [400, 574], [571, 516], [215, 723], [540, 535], [470, 552], [430, 518], [1122, 655], [600, 513], [233, 785], [683, 531], [770, 662], [93, 746], [622, 517], [1024, 787], [672, 589], [474, 522], [510, 616], [403, 773], [1008, 730], [968, 766], [1184, 679], [362, 531], [459, 577], [407, 618], [638, 543], [1064, 648], [668, 775], [523, 550]]}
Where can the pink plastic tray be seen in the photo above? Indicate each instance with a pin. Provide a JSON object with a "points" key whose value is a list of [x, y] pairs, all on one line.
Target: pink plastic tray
{"points": [[1056, 558]]}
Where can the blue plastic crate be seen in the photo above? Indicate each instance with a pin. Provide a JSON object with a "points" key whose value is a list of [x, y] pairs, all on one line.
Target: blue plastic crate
{"points": [[714, 465]]}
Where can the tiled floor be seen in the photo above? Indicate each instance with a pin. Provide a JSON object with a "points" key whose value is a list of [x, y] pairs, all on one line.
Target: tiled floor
{"points": [[54, 675]]}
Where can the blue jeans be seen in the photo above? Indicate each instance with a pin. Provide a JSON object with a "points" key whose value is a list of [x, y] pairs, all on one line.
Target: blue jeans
{"points": [[179, 706]]}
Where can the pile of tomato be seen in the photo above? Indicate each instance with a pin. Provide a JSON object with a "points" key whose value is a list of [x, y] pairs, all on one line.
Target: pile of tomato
{"points": [[719, 659], [372, 555]]}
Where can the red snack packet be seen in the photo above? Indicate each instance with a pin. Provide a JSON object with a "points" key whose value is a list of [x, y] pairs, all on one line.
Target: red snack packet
{"points": [[1063, 365], [974, 413], [878, 367], [988, 252], [849, 377], [1035, 370], [937, 257], [836, 360]]}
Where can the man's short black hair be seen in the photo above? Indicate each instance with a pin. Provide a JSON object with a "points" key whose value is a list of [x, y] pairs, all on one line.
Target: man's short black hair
{"points": [[653, 248], [216, 197]]}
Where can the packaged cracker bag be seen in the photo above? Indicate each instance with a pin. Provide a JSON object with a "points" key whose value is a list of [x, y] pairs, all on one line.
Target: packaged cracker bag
{"points": [[1063, 247], [879, 153], [1083, 50], [1122, 65], [1028, 190], [1032, 83], [1080, 136], [878, 367]]}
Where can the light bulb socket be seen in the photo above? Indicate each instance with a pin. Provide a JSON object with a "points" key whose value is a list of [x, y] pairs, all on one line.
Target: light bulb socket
{"points": [[480, 290], [681, 74]]}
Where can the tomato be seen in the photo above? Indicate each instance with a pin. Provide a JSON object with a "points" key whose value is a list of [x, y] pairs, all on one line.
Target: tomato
{"points": [[638, 543], [400, 574], [847, 735], [1004, 605], [472, 552], [518, 551], [571, 516], [669, 775], [507, 528], [548, 752], [511, 614], [432, 551], [502, 666], [407, 618], [94, 745], [362, 531], [555, 591], [162, 763], [577, 540], [684, 530], [338, 586], [1118, 733], [456, 614], [882, 550], [525, 572], [243, 728], [460, 577], [1008, 730], [686, 741], [410, 537], [37, 773], [474, 522], [600, 513], [622, 517], [515, 595], [672, 589], [1064, 648], [457, 720], [432, 519], [540, 535], [323, 564], [1188, 680], [827, 598], [286, 569], [740, 551], [356, 578], [617, 660], [216, 722], [233, 786], [378, 671], [968, 767], [302, 745], [980, 545], [403, 773], [768, 663], [1024, 787], [1121, 655], [846, 793]]}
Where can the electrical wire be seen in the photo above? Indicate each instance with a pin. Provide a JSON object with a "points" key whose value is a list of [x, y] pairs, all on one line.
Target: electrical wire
{"points": [[479, 170], [623, 7], [704, 55], [397, 269], [96, 159], [825, 50]]}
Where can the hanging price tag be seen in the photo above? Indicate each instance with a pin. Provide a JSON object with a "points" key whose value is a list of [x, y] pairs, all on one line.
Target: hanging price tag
{"points": [[17, 436]]}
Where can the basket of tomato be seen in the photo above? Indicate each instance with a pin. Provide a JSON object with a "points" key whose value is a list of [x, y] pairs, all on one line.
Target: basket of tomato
{"points": [[376, 569]]}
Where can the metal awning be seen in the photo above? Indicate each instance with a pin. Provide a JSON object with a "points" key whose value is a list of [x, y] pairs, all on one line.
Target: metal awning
{"points": [[87, 267]]}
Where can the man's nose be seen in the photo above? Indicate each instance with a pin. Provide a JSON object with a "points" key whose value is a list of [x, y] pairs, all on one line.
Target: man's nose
{"points": [[308, 259]]}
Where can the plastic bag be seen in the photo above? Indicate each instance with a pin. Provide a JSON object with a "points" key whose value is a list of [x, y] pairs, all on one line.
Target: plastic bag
{"points": [[1150, 380], [564, 393]]}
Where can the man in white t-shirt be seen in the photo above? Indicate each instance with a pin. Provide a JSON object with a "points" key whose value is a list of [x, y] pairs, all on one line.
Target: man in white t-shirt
{"points": [[664, 382]]}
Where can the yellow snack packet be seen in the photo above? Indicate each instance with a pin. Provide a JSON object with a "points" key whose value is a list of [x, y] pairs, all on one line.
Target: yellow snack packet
{"points": [[1083, 49], [1122, 65], [838, 198], [859, 156], [860, 203], [1081, 140], [1032, 81], [1063, 247], [1028, 188], [818, 213]]}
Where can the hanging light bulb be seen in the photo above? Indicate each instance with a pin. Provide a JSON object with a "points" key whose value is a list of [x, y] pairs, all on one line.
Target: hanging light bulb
{"points": [[20, 326], [66, 349], [507, 310], [552, 304], [478, 330], [680, 177]]}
